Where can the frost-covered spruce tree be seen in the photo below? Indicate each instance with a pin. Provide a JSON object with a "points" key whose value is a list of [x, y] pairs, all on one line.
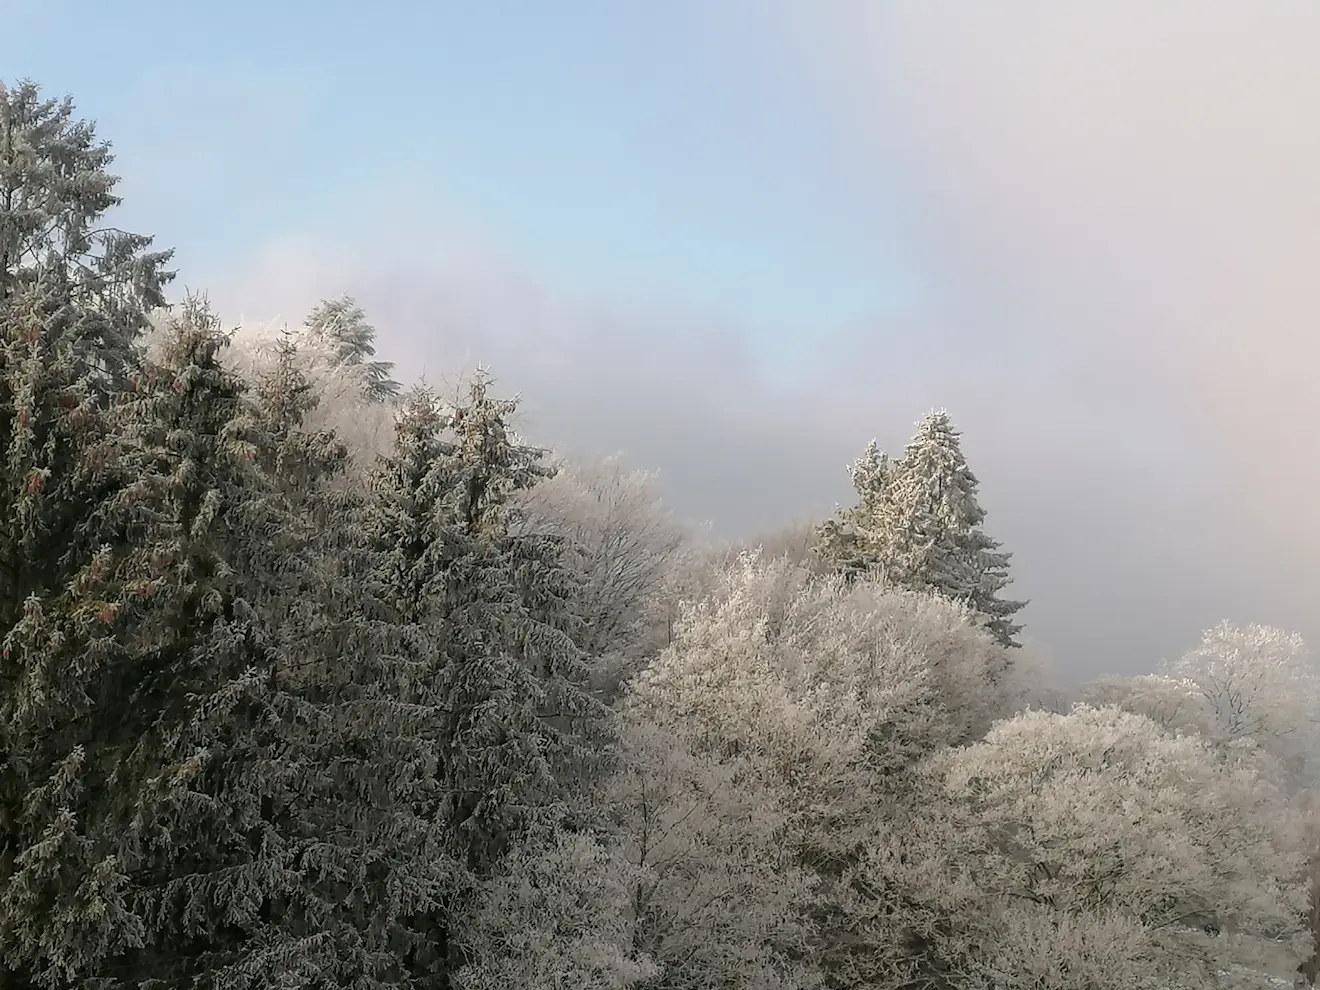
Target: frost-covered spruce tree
{"points": [[851, 543], [366, 712], [343, 325], [74, 296], [934, 497], [64, 898], [171, 811], [918, 524], [295, 459], [214, 868], [495, 603], [518, 732], [55, 191], [272, 835]]}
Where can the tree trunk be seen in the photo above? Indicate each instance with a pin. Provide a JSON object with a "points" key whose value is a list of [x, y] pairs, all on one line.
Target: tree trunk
{"points": [[1311, 967]]}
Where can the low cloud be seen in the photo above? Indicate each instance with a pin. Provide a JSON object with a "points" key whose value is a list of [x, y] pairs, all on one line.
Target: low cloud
{"points": [[735, 446], [1124, 194], [742, 449]]}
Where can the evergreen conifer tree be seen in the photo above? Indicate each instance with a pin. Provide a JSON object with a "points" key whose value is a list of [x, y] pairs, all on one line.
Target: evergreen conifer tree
{"points": [[195, 789], [294, 839], [55, 191], [518, 729], [366, 680], [74, 297], [935, 506], [341, 324], [917, 523], [65, 530], [497, 605], [851, 541]]}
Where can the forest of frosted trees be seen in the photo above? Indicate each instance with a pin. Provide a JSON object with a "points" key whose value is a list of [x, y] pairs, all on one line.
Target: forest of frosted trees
{"points": [[308, 680]]}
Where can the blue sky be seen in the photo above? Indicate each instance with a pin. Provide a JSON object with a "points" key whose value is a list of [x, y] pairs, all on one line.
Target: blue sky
{"points": [[638, 153]]}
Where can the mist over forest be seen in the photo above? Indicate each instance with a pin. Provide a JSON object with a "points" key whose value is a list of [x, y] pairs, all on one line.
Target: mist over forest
{"points": [[316, 671]]}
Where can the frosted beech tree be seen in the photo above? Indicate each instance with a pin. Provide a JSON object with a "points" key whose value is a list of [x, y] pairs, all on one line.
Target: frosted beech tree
{"points": [[1250, 691], [625, 547], [1174, 704], [1262, 683], [559, 912], [831, 693], [858, 652], [796, 541], [1032, 680], [693, 888], [918, 525], [342, 325], [1100, 845], [721, 894]]}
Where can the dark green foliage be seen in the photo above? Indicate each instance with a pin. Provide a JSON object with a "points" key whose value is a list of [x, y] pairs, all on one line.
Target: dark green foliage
{"points": [[516, 730], [311, 768], [66, 530], [519, 720], [74, 296], [214, 761]]}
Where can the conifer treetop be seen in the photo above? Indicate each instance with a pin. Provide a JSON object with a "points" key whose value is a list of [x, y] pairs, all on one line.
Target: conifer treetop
{"points": [[55, 192], [917, 524], [342, 324]]}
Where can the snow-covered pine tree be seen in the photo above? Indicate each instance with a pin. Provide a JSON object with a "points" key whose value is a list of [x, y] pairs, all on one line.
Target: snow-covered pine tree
{"points": [[936, 520], [851, 543], [294, 459], [364, 681], [341, 324], [518, 731], [282, 844], [65, 529], [488, 466], [917, 524], [521, 724], [74, 296], [411, 537], [55, 190], [200, 779]]}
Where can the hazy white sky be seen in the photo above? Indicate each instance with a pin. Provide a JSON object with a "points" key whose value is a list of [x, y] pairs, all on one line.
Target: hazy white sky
{"points": [[738, 240]]}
